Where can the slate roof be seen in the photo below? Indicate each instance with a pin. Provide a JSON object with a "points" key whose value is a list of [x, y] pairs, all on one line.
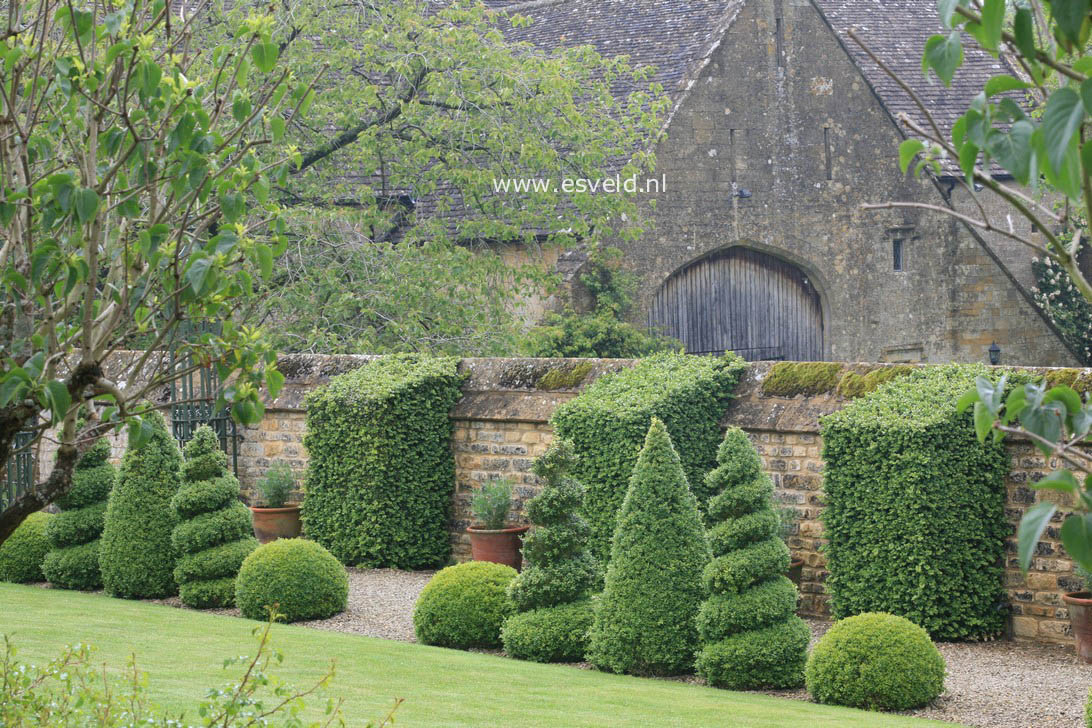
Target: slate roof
{"points": [[896, 31]]}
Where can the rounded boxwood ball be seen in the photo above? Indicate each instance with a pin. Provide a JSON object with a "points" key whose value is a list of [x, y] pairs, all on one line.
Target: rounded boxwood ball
{"points": [[300, 576], [464, 606], [875, 661], [21, 555]]}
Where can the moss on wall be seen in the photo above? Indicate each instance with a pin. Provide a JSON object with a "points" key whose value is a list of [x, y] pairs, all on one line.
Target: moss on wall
{"points": [[790, 378], [1077, 379], [853, 385], [564, 377]]}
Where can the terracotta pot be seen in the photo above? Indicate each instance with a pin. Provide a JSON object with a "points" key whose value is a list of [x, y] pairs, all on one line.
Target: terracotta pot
{"points": [[273, 523], [796, 567], [1080, 617], [501, 546]]}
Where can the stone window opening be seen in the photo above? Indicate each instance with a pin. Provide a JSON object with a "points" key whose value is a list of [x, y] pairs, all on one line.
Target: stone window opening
{"points": [[898, 261]]}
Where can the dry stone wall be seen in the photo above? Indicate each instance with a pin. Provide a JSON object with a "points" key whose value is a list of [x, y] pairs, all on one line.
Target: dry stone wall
{"points": [[502, 424]]}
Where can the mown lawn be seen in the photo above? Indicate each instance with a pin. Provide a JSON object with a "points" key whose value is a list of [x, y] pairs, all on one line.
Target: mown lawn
{"points": [[183, 652]]}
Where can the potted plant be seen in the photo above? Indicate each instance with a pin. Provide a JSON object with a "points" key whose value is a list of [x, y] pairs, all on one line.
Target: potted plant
{"points": [[492, 538], [276, 517], [787, 516], [1079, 604]]}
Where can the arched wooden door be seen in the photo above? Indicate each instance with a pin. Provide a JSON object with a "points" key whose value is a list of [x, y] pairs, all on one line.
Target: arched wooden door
{"points": [[741, 300]]}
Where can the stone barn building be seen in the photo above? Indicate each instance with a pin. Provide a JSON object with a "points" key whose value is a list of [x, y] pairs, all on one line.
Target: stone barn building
{"points": [[780, 128]]}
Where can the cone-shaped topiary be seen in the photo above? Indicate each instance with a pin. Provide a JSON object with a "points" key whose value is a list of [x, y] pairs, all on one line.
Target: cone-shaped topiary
{"points": [[22, 553], [73, 558], [136, 555], [558, 571], [214, 532], [645, 620], [749, 630]]}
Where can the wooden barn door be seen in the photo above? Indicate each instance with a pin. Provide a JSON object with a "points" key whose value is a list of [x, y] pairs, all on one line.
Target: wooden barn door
{"points": [[745, 301]]}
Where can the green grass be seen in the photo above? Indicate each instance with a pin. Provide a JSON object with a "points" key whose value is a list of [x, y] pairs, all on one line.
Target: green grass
{"points": [[183, 652]]}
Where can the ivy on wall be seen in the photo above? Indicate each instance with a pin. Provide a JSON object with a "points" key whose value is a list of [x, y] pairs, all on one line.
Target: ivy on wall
{"points": [[607, 424], [915, 507], [381, 475]]}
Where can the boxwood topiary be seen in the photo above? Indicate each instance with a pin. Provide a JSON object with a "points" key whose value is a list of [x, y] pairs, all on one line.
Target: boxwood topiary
{"points": [[1088, 710], [302, 578], [608, 421], [875, 661], [73, 558], [22, 553], [549, 634], [464, 606], [214, 535], [381, 476], [751, 635], [645, 621], [915, 507], [136, 555]]}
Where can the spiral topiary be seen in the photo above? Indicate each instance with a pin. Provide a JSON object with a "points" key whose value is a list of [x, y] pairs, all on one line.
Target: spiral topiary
{"points": [[136, 555], [644, 623], [558, 570], [22, 553], [300, 577], [875, 661], [214, 534], [73, 558], [464, 606], [749, 630]]}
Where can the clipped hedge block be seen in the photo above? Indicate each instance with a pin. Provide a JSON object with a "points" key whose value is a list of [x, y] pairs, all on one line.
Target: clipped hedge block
{"points": [[21, 555], [74, 567], [549, 634], [381, 475], [302, 578], [915, 507], [608, 421]]}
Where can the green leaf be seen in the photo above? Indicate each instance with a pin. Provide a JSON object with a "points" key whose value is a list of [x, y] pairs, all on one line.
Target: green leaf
{"points": [[233, 205], [1059, 480], [87, 204], [149, 75], [274, 381], [1063, 116], [59, 398], [968, 156], [1031, 529], [969, 397], [993, 14], [198, 274], [1077, 538], [276, 123], [983, 421], [944, 54], [1046, 422], [265, 260], [1066, 396], [264, 56], [241, 107], [1023, 31], [907, 151], [946, 10], [1001, 84], [11, 389], [1083, 65], [1069, 16], [1013, 150]]}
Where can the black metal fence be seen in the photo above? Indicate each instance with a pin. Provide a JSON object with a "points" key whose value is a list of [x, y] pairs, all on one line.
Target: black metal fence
{"points": [[193, 399], [19, 475]]}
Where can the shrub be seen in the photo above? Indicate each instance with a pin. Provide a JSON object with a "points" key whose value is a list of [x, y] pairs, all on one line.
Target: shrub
{"points": [[645, 621], [748, 626], [1088, 710], [136, 555], [464, 606], [301, 577], [491, 502], [607, 424], [214, 534], [915, 507], [558, 572], [549, 634], [790, 378], [381, 475], [877, 662], [22, 553], [73, 558], [277, 485]]}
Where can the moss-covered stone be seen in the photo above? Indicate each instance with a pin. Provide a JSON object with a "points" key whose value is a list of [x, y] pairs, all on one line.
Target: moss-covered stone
{"points": [[790, 378], [564, 377], [853, 385], [1076, 379]]}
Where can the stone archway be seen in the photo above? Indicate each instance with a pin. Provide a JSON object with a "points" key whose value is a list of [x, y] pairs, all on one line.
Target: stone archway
{"points": [[743, 300]]}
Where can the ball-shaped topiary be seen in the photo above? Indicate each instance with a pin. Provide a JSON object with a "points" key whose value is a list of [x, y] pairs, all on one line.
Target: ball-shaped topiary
{"points": [[645, 621], [301, 577], [464, 606], [549, 634], [1088, 710], [22, 553], [213, 536], [73, 558], [875, 661], [751, 636], [136, 555]]}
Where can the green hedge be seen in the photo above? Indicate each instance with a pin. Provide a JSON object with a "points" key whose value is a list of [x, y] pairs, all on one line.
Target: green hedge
{"points": [[464, 606], [136, 555], [22, 553], [608, 421], [915, 507], [549, 634], [301, 577], [382, 474]]}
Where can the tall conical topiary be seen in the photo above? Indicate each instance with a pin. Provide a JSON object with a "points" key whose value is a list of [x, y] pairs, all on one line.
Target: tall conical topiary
{"points": [[136, 555], [213, 536], [751, 636], [551, 593], [73, 558], [645, 620]]}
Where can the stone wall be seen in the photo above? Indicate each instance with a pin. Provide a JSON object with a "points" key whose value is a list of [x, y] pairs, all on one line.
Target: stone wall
{"points": [[501, 425]]}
